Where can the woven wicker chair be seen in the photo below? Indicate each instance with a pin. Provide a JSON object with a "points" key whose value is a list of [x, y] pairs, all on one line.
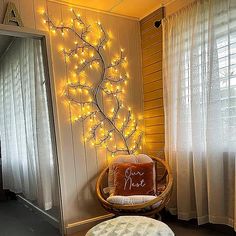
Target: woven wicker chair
{"points": [[148, 208]]}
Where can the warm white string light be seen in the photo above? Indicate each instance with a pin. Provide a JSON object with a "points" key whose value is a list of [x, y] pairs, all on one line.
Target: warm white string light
{"points": [[105, 126]]}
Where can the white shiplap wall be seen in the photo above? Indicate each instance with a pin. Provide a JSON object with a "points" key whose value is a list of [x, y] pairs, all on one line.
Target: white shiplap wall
{"points": [[79, 163]]}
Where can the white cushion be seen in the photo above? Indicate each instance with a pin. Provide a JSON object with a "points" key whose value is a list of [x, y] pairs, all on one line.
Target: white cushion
{"points": [[130, 200], [133, 199]]}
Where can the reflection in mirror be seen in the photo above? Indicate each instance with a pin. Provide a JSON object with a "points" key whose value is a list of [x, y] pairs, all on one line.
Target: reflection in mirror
{"points": [[28, 171]]}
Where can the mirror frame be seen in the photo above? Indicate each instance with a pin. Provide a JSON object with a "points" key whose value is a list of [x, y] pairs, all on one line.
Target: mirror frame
{"points": [[43, 36]]}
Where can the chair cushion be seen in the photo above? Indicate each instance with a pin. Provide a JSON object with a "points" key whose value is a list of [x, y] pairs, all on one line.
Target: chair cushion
{"points": [[133, 200], [140, 158], [130, 200], [133, 179]]}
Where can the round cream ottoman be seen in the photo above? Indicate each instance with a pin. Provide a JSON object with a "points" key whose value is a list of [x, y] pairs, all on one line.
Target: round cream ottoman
{"points": [[131, 225]]}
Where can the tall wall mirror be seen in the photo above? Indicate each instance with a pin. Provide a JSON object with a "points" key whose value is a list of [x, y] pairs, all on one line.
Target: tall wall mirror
{"points": [[29, 180]]}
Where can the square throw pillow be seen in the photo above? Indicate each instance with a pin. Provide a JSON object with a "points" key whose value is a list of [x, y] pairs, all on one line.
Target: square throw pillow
{"points": [[133, 179]]}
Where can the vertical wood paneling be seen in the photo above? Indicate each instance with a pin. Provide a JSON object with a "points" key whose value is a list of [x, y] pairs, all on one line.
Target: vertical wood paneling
{"points": [[151, 39], [39, 7], [102, 155], [81, 163], [135, 88], [135, 65], [112, 25], [26, 9], [81, 168], [91, 155], [55, 11]]}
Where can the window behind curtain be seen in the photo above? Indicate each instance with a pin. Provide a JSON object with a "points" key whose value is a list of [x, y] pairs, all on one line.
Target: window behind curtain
{"points": [[225, 51]]}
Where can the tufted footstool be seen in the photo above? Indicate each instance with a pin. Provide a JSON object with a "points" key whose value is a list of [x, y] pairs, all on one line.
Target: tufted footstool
{"points": [[131, 226]]}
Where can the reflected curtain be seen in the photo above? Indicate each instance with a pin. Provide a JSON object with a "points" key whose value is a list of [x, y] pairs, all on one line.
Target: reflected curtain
{"points": [[27, 159], [199, 66]]}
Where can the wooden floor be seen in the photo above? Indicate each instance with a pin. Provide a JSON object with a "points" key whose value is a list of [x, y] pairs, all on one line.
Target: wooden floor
{"points": [[79, 234], [190, 228], [17, 220]]}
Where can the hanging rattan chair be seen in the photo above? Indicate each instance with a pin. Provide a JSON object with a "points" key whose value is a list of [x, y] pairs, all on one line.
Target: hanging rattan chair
{"points": [[149, 208]]}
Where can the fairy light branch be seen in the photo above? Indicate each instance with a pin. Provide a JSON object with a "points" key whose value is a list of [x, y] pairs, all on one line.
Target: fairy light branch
{"points": [[116, 110], [79, 85], [106, 126], [93, 130], [126, 122], [105, 138], [85, 117], [75, 50], [77, 17], [79, 102], [103, 39], [110, 93], [116, 150], [86, 63], [119, 61], [116, 81], [132, 131]]}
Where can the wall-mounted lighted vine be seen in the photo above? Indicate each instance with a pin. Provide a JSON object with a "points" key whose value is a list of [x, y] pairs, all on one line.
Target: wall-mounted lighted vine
{"points": [[116, 128]]}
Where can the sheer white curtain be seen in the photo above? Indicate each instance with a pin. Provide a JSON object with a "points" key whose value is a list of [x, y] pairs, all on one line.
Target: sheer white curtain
{"points": [[199, 64], [27, 159]]}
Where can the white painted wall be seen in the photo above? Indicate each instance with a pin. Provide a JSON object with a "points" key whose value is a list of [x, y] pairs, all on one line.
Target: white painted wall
{"points": [[79, 162]]}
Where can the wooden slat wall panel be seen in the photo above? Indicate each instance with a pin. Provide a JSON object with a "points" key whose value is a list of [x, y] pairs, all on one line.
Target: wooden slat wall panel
{"points": [[150, 87], [151, 39], [147, 22], [153, 104], [155, 112], [154, 58], [149, 50], [153, 76], [153, 95], [152, 68]]}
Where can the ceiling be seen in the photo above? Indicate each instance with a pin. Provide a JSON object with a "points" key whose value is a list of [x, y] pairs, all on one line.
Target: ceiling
{"points": [[131, 8]]}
